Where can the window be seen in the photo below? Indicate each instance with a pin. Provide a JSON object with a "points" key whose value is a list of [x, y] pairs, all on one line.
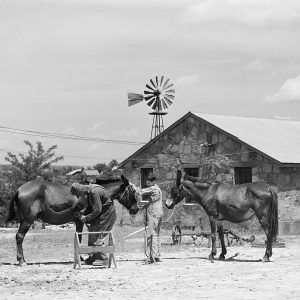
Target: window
{"points": [[242, 175], [252, 155], [192, 172], [144, 174]]}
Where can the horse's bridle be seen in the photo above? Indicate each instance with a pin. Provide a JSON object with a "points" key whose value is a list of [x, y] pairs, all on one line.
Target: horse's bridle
{"points": [[127, 188], [181, 193]]}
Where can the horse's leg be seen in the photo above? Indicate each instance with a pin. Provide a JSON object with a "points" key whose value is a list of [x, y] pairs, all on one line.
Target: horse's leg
{"points": [[213, 229], [221, 237], [24, 227], [264, 223]]}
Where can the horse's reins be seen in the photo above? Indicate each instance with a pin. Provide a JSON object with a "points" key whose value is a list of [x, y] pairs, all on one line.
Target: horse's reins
{"points": [[165, 221]]}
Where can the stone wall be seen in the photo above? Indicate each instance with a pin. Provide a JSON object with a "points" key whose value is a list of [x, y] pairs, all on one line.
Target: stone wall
{"points": [[289, 212], [182, 147]]}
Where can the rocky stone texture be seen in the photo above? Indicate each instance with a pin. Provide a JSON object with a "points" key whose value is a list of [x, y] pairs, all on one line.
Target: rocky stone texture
{"points": [[183, 147], [289, 212]]}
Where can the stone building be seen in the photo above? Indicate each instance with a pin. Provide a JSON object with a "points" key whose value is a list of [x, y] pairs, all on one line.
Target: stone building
{"points": [[258, 148]]}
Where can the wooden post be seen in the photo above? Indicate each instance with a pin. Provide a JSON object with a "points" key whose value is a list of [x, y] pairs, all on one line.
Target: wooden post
{"points": [[82, 249]]}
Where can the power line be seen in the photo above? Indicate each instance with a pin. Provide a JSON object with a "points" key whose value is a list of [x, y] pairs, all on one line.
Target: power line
{"points": [[65, 136]]}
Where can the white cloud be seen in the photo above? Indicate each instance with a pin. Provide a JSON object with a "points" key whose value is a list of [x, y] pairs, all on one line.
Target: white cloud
{"points": [[97, 125], [128, 133], [289, 91], [258, 65], [247, 12], [186, 80]]}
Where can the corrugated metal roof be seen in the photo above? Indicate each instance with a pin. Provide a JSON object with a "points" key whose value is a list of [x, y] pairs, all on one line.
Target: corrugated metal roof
{"points": [[91, 172], [74, 172], [84, 171], [277, 138]]}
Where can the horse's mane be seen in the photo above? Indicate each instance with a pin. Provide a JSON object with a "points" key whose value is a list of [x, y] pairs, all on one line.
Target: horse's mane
{"points": [[107, 181], [195, 179]]}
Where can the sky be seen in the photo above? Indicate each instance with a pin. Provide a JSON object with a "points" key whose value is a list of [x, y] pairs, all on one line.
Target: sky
{"points": [[66, 67]]}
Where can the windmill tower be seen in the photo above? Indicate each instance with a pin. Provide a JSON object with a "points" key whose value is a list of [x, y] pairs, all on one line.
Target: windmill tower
{"points": [[159, 94]]}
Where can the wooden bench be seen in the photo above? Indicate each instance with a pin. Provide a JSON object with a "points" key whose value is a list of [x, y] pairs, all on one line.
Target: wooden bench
{"points": [[108, 247]]}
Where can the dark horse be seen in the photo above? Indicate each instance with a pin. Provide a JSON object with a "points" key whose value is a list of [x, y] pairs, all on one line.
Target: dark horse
{"points": [[53, 204], [222, 201]]}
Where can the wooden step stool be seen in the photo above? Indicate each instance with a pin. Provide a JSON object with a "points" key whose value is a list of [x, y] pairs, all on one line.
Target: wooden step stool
{"points": [[83, 249]]}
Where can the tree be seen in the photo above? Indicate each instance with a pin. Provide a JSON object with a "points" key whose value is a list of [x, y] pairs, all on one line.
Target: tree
{"points": [[100, 167], [36, 162], [108, 170], [113, 163]]}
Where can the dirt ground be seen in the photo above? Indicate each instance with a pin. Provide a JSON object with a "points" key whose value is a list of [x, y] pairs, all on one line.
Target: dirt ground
{"points": [[184, 273]]}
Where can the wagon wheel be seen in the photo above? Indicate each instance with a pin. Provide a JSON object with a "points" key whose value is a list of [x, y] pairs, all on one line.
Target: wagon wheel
{"points": [[176, 235]]}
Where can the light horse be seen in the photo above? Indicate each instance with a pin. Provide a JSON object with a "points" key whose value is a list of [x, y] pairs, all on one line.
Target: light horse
{"points": [[53, 204], [234, 203]]}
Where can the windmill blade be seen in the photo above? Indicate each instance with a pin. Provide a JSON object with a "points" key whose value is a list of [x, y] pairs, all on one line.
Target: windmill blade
{"points": [[152, 82], [134, 98], [147, 98], [161, 80], [151, 101], [168, 100], [156, 79], [149, 87], [155, 104], [170, 91], [164, 103], [169, 96], [165, 84], [148, 93], [167, 87]]}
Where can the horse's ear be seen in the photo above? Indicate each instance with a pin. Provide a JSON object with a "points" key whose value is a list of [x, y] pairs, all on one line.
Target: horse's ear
{"points": [[124, 179], [178, 179]]}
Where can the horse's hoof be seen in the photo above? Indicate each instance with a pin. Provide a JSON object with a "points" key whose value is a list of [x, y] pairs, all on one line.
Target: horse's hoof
{"points": [[211, 257], [22, 264], [265, 259], [222, 257]]}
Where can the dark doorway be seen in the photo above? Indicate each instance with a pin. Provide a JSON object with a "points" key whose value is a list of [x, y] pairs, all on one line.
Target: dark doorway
{"points": [[144, 174], [192, 172], [242, 175]]}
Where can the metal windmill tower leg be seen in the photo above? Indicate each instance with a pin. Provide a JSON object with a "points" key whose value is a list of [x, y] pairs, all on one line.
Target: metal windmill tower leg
{"points": [[157, 123]]}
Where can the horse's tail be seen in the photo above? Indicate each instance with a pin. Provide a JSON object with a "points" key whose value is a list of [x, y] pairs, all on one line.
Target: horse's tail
{"points": [[273, 214], [11, 216]]}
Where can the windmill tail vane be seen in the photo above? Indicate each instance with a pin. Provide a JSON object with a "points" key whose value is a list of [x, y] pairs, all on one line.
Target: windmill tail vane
{"points": [[134, 99], [159, 94]]}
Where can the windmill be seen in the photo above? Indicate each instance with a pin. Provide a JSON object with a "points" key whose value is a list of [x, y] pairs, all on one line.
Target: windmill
{"points": [[159, 94]]}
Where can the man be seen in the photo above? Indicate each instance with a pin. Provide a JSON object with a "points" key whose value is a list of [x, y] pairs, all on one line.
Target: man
{"points": [[101, 214], [155, 213]]}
